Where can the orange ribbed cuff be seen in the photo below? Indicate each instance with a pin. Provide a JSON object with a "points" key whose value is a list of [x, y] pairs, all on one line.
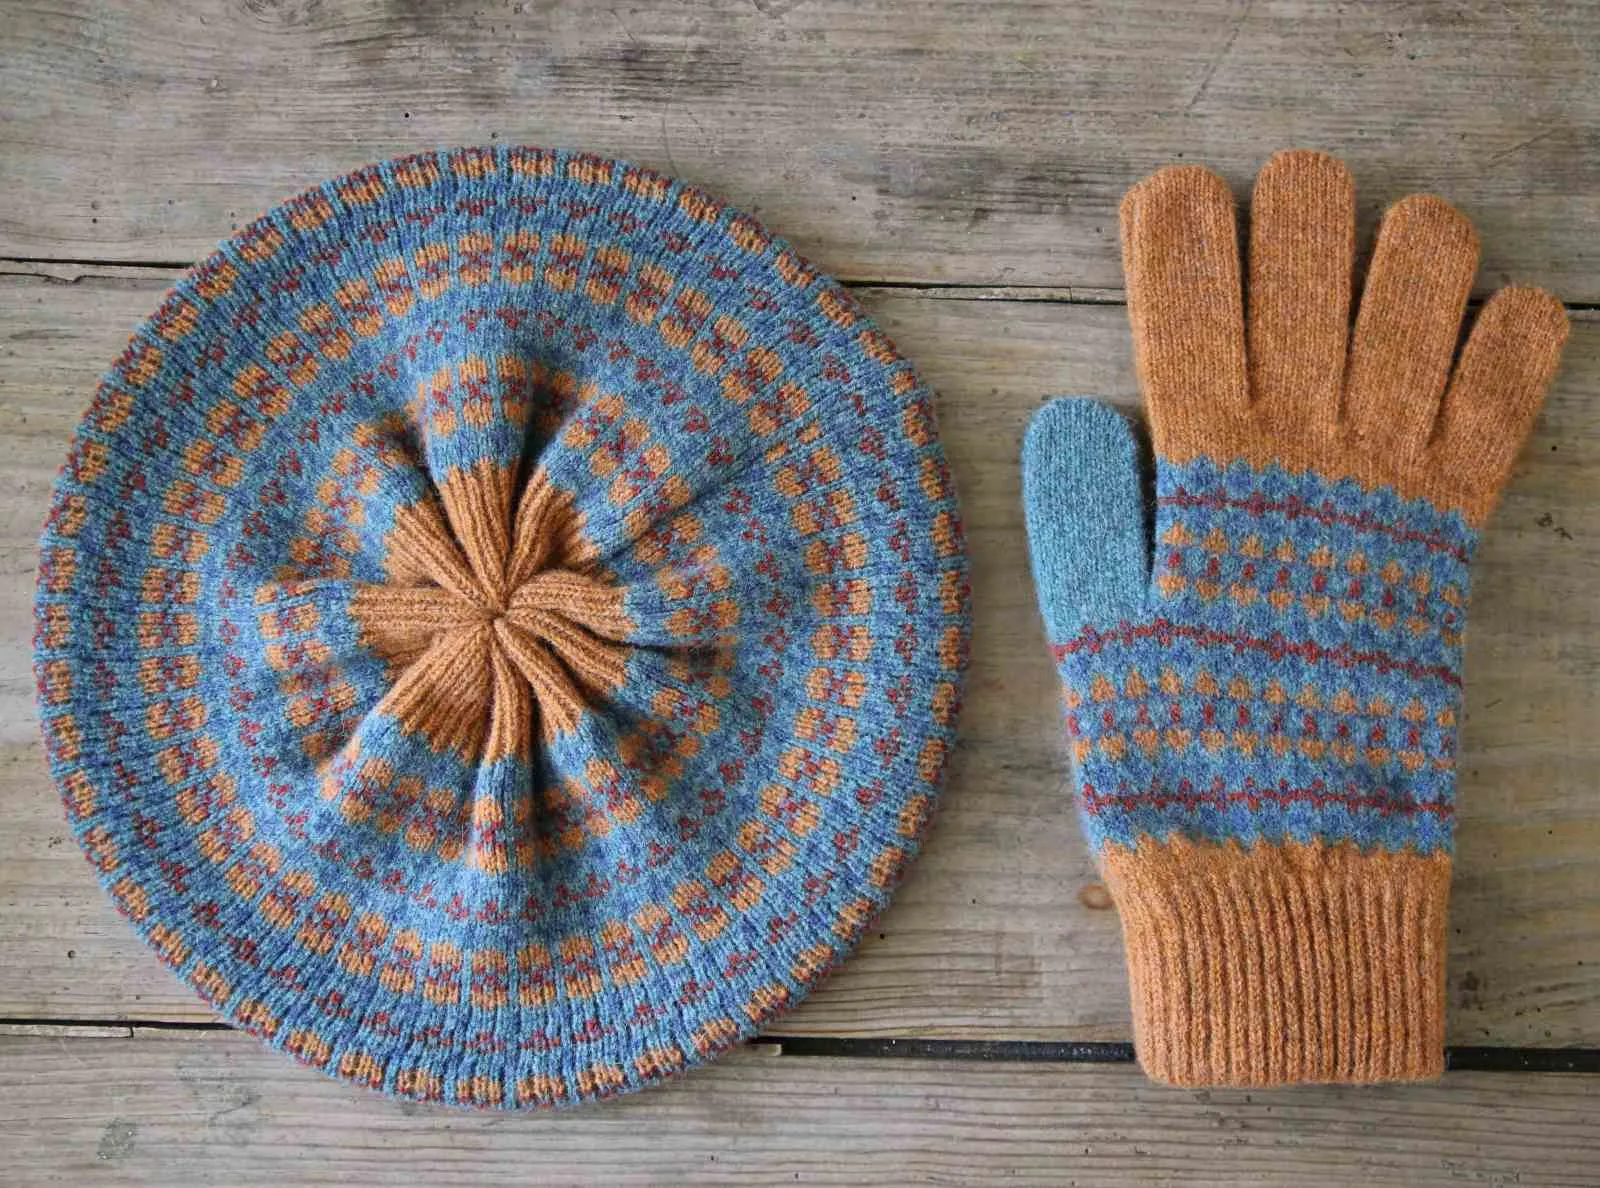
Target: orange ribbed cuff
{"points": [[1283, 963]]}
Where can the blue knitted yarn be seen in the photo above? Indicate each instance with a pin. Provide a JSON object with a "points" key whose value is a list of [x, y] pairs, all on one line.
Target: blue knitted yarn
{"points": [[713, 434], [1290, 673]]}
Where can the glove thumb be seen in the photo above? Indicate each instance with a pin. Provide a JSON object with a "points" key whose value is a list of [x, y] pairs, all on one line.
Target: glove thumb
{"points": [[1085, 514]]}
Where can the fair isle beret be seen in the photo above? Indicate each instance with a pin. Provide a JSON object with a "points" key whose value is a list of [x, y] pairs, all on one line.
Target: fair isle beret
{"points": [[500, 626]]}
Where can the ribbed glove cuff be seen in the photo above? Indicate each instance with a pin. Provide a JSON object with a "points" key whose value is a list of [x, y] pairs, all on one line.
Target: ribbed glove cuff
{"points": [[1283, 963]]}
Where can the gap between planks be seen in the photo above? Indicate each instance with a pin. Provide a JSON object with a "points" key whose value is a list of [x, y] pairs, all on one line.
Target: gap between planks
{"points": [[1458, 1058], [72, 271], [69, 271]]}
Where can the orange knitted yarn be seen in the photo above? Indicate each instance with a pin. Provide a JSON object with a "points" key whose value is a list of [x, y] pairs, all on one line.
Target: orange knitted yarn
{"points": [[1307, 395], [1263, 713]]}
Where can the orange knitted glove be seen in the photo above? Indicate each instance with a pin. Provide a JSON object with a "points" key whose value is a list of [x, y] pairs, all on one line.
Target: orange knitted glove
{"points": [[1263, 714]]}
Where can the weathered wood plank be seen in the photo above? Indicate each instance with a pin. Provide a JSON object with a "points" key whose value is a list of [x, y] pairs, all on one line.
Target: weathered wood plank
{"points": [[213, 1108], [989, 938], [975, 141]]}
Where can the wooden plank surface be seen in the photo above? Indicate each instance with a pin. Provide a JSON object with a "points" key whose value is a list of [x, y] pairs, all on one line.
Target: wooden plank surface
{"points": [[212, 1108], [970, 141], [996, 933], [972, 153]]}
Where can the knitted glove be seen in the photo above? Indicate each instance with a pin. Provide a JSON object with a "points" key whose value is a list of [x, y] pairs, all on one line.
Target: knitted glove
{"points": [[1263, 714]]}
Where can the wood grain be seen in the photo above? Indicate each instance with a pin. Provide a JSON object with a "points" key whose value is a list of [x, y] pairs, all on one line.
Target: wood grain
{"points": [[212, 1108], [996, 933], [976, 141]]}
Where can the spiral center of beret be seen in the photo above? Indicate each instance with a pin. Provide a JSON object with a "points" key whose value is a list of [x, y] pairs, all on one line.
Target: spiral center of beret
{"points": [[497, 619]]}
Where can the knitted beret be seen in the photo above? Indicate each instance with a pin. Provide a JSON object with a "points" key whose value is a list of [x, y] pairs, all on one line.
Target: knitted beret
{"points": [[500, 626]]}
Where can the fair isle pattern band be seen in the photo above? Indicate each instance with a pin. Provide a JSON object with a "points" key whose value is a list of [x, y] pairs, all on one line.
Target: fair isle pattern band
{"points": [[1294, 678], [500, 626]]}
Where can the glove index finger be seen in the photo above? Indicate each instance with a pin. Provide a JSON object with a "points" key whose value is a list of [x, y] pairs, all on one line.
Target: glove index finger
{"points": [[1085, 514], [1180, 255]]}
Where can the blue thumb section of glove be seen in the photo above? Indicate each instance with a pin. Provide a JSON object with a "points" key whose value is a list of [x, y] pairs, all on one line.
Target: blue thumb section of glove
{"points": [[1085, 515]]}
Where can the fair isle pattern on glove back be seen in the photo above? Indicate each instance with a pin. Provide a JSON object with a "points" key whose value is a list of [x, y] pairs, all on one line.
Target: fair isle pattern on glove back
{"points": [[1262, 674], [500, 627], [1294, 676]]}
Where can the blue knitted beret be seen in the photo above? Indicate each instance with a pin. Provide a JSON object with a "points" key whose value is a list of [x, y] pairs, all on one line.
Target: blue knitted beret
{"points": [[500, 626]]}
